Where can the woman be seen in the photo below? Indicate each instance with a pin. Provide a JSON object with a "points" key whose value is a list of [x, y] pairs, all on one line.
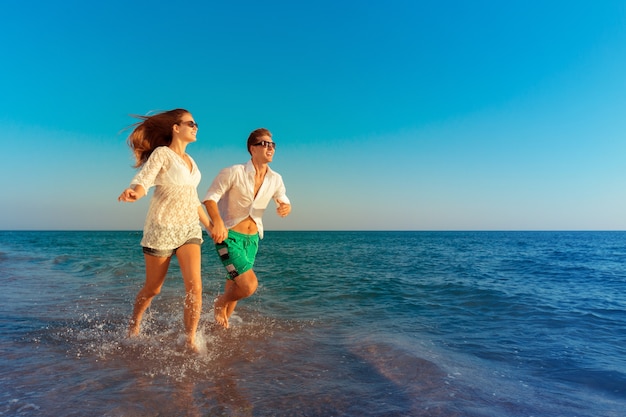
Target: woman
{"points": [[172, 225]]}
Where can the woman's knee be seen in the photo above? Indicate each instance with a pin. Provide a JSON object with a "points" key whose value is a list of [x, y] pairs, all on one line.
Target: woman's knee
{"points": [[194, 289], [149, 292]]}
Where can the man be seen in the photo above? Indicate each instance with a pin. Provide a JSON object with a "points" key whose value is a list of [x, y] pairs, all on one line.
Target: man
{"points": [[235, 203]]}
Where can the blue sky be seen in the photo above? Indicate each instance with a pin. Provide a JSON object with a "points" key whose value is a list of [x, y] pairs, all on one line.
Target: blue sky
{"points": [[388, 115]]}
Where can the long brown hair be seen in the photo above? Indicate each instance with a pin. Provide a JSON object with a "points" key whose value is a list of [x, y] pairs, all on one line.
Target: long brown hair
{"points": [[153, 131]]}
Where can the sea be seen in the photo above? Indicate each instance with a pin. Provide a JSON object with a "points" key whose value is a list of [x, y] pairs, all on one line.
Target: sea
{"points": [[344, 323]]}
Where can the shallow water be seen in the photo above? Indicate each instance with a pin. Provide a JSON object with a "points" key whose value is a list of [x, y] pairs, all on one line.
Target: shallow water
{"points": [[343, 324]]}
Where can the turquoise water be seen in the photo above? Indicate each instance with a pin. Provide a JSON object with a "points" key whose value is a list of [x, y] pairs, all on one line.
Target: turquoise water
{"points": [[343, 324]]}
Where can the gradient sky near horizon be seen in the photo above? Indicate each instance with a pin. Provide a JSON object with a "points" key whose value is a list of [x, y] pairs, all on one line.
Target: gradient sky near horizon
{"points": [[388, 115]]}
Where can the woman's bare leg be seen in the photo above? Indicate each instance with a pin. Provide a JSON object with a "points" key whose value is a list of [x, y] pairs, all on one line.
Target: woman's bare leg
{"points": [[156, 271], [189, 259]]}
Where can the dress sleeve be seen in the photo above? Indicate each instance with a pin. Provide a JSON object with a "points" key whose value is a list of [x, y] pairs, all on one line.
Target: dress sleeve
{"points": [[146, 177]]}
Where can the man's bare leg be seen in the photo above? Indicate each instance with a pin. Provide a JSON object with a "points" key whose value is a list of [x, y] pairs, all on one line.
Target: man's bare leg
{"points": [[219, 309], [234, 290]]}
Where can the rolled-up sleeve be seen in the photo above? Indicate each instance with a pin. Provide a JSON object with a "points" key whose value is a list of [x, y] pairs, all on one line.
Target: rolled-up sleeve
{"points": [[219, 186], [281, 192]]}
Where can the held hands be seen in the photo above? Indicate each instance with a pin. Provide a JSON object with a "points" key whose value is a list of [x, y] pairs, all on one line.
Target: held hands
{"points": [[283, 209], [219, 233]]}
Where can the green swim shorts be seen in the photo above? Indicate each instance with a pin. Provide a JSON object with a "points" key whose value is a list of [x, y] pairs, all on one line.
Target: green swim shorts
{"points": [[238, 253]]}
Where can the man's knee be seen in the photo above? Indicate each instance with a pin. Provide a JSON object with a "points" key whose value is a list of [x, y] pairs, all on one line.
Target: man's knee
{"points": [[247, 289], [247, 283]]}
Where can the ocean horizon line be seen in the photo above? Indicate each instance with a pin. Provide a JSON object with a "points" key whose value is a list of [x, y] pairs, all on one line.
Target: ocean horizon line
{"points": [[348, 230]]}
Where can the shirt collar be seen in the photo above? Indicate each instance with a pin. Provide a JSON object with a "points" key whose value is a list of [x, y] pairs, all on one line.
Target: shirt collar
{"points": [[250, 169]]}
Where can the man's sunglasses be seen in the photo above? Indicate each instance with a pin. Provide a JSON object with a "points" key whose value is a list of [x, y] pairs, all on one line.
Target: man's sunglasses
{"points": [[266, 144]]}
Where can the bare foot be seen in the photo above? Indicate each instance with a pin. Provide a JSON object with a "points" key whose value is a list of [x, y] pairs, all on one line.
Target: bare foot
{"points": [[191, 346], [133, 329], [219, 310]]}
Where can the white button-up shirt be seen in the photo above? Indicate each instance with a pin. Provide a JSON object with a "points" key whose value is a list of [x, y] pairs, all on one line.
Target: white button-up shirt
{"points": [[233, 191]]}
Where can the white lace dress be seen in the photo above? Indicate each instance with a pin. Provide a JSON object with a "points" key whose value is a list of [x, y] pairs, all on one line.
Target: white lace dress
{"points": [[173, 213]]}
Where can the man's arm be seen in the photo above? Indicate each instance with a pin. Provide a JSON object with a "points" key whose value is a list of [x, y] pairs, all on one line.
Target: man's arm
{"points": [[220, 185], [283, 205], [283, 209]]}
